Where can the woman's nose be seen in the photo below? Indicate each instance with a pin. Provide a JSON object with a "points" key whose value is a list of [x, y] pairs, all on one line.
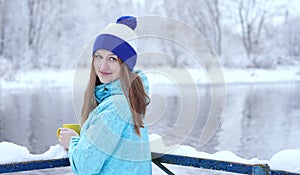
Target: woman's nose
{"points": [[104, 65]]}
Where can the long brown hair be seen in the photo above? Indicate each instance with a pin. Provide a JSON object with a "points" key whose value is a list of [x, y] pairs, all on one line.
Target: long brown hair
{"points": [[133, 90]]}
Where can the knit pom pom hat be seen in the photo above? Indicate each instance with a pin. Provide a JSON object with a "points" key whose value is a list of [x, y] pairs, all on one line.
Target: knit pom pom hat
{"points": [[120, 39]]}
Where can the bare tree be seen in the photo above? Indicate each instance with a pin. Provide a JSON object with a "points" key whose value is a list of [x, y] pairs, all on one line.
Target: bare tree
{"points": [[215, 15], [204, 15], [254, 18], [2, 26], [291, 34], [35, 26]]}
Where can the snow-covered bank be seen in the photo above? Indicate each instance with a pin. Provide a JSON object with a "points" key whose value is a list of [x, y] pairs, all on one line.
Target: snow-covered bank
{"points": [[285, 74], [64, 78], [195, 76], [286, 160], [38, 79]]}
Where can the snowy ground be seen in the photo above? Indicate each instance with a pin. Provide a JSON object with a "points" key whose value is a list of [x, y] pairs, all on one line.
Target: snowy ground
{"points": [[287, 160], [64, 78]]}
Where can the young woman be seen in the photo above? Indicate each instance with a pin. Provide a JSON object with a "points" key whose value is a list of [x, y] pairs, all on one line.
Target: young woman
{"points": [[114, 137]]}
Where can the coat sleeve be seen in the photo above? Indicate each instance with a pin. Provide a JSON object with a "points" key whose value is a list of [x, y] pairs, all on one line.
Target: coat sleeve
{"points": [[89, 152]]}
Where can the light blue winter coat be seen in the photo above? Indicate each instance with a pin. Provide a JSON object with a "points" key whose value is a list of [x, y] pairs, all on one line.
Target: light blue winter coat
{"points": [[108, 143]]}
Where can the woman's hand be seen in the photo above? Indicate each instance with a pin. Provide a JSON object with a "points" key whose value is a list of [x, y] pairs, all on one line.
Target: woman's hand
{"points": [[65, 136]]}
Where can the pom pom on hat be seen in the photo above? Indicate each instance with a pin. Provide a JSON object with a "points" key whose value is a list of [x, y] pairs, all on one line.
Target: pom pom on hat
{"points": [[120, 39], [129, 21]]}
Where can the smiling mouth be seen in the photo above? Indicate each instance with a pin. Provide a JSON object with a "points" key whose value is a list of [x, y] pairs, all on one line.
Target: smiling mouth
{"points": [[104, 73]]}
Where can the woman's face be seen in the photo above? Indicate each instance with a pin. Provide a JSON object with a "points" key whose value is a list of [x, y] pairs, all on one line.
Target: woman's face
{"points": [[106, 66]]}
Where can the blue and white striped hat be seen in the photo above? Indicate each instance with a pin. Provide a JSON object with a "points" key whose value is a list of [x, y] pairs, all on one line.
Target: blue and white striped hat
{"points": [[120, 39]]}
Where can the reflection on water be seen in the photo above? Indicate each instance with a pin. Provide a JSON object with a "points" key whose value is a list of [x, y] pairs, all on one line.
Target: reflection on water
{"points": [[31, 117], [259, 120]]}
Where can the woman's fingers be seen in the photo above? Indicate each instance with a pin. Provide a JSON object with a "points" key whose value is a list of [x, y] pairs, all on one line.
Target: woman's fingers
{"points": [[67, 131]]}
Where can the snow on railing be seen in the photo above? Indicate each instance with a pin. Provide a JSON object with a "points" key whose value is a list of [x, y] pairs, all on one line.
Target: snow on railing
{"points": [[158, 159], [226, 166]]}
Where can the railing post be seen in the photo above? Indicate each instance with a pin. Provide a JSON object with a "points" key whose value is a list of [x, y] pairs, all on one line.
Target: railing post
{"points": [[261, 170], [166, 170]]}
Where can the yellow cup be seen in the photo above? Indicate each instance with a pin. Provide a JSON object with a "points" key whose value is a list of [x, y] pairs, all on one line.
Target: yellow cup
{"points": [[75, 127]]}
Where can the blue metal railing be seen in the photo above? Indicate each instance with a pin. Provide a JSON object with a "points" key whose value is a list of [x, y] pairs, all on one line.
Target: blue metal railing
{"points": [[252, 169], [158, 159]]}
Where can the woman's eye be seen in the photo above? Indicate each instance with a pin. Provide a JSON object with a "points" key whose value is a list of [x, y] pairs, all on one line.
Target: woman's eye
{"points": [[113, 59], [98, 56]]}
